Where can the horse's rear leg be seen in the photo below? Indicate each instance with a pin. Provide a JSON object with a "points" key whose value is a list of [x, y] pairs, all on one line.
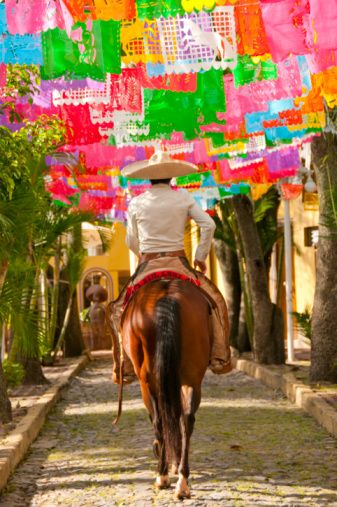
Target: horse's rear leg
{"points": [[191, 400], [182, 488], [162, 479]]}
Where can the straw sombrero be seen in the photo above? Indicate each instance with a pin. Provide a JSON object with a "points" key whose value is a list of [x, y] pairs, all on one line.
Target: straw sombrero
{"points": [[159, 166]]}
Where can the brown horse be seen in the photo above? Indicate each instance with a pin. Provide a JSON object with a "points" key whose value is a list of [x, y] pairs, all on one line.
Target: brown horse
{"points": [[166, 333]]}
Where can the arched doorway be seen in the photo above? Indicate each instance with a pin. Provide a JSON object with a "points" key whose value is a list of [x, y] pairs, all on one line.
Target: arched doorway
{"points": [[96, 335], [88, 279]]}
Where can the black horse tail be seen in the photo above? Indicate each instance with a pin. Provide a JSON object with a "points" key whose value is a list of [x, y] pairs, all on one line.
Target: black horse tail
{"points": [[167, 367]]}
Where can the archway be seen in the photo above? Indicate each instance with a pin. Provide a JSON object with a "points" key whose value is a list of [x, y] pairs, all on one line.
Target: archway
{"points": [[96, 335]]}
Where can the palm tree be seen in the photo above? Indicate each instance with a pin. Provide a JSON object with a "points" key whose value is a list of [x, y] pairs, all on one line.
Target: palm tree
{"points": [[30, 228], [14, 210], [250, 229], [225, 249], [324, 324], [25, 201]]}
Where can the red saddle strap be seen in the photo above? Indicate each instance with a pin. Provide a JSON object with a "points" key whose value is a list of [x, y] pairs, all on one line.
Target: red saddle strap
{"points": [[157, 275]]}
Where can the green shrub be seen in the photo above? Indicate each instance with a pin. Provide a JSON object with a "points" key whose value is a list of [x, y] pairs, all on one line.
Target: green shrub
{"points": [[304, 322], [14, 373]]}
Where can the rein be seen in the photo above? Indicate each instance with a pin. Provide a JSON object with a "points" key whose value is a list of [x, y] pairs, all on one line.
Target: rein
{"points": [[120, 391]]}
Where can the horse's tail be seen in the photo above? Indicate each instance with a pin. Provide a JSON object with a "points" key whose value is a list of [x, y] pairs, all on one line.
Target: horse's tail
{"points": [[167, 367]]}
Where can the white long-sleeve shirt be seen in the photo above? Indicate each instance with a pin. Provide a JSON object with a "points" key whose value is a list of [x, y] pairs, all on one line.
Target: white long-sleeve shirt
{"points": [[157, 219]]}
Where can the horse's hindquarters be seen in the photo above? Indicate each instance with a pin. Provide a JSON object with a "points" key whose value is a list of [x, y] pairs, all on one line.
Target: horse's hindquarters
{"points": [[166, 333]]}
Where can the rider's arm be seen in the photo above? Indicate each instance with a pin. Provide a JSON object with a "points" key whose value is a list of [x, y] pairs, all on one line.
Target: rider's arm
{"points": [[207, 227], [132, 240]]}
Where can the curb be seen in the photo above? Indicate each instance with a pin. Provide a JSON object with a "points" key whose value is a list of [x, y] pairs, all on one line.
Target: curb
{"points": [[298, 393], [17, 442]]}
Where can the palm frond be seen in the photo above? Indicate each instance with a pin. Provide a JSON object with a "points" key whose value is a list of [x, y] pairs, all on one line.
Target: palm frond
{"points": [[6, 227], [224, 224], [74, 267], [303, 320], [265, 204], [17, 218], [265, 216], [106, 236], [49, 227], [16, 308]]}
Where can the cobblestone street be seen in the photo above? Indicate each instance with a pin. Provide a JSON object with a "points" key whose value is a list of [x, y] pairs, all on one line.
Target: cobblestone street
{"points": [[251, 446]]}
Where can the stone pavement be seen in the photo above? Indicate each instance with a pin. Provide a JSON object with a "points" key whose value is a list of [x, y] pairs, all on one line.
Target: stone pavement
{"points": [[317, 399], [251, 446], [30, 405]]}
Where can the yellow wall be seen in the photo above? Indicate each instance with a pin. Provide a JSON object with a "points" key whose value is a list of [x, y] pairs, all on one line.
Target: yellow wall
{"points": [[304, 267], [304, 256], [192, 235], [215, 272], [116, 260]]}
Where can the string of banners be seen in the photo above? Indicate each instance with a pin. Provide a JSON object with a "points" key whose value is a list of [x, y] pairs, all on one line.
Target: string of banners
{"points": [[235, 86]]}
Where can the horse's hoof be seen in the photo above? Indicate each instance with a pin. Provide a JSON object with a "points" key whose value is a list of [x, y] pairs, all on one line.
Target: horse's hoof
{"points": [[163, 481], [182, 489], [180, 495]]}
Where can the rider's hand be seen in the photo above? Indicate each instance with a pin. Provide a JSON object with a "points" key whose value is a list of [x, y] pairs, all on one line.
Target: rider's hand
{"points": [[201, 265]]}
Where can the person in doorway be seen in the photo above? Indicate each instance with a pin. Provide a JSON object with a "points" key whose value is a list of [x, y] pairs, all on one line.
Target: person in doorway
{"points": [[155, 233]]}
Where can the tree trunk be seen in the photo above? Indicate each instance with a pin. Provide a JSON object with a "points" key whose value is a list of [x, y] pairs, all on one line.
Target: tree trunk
{"points": [[266, 337], [324, 323], [64, 329], [5, 404], [54, 303], [33, 371], [73, 341], [74, 344], [228, 262], [3, 272], [243, 335]]}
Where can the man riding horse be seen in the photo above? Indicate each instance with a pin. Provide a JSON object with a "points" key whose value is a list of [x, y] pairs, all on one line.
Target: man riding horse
{"points": [[155, 233]]}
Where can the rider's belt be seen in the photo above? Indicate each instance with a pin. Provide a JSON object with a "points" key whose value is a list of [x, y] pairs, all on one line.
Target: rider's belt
{"points": [[149, 256]]}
